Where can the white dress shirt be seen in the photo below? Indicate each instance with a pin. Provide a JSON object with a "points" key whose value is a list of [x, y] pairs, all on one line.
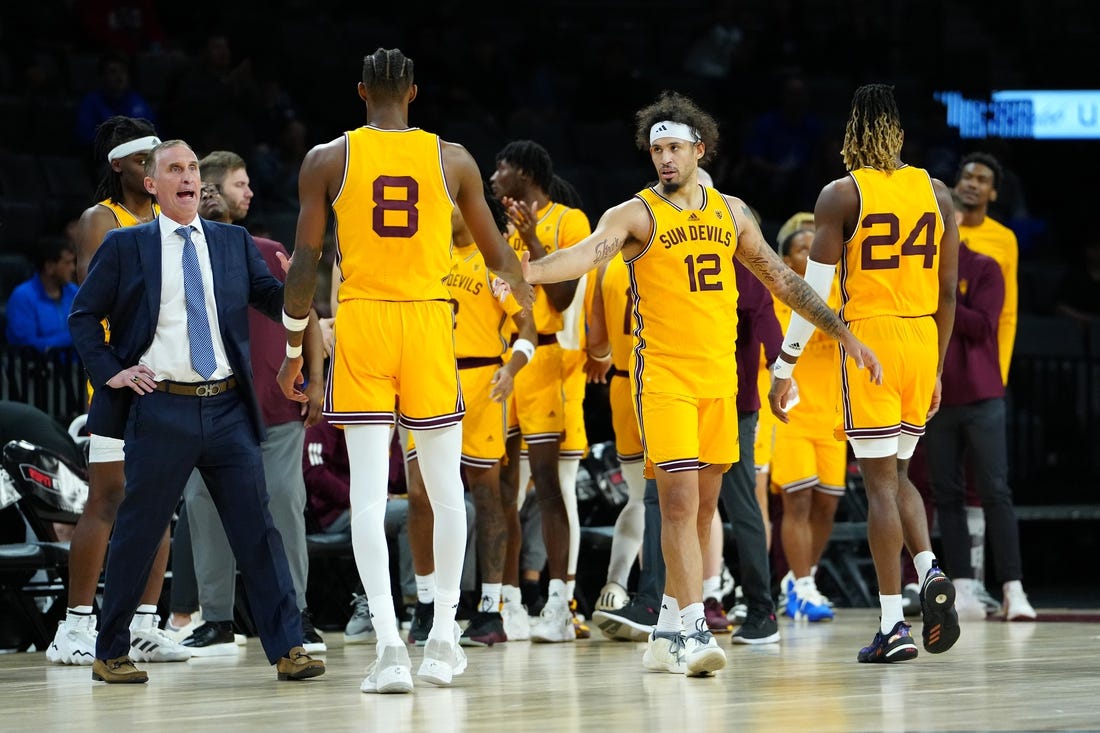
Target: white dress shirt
{"points": [[169, 356]]}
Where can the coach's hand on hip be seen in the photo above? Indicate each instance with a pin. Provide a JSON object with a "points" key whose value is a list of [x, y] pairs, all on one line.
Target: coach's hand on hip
{"points": [[138, 378]]}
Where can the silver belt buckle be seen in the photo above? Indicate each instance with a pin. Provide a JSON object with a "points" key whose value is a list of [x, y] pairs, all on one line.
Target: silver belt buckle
{"points": [[208, 390]]}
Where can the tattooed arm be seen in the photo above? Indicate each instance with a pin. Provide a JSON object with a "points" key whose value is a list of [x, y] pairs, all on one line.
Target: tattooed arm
{"points": [[757, 255], [785, 284], [624, 227]]}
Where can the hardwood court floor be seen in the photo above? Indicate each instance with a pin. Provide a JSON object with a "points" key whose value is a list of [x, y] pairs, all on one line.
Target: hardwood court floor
{"points": [[999, 677]]}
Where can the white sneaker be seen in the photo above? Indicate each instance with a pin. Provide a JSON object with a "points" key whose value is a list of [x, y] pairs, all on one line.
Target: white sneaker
{"points": [[786, 587], [728, 583], [390, 672], [182, 632], [740, 611], [150, 643], [444, 660], [612, 596], [967, 604], [991, 604], [74, 642], [1016, 606], [555, 623], [517, 624], [664, 652], [704, 656]]}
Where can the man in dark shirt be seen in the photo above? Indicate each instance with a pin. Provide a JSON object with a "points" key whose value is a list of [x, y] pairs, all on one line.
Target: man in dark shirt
{"points": [[970, 429]]}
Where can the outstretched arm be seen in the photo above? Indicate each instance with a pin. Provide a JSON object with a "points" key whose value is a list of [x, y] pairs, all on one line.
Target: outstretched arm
{"points": [[808, 305], [524, 218], [619, 226], [468, 189], [757, 255]]}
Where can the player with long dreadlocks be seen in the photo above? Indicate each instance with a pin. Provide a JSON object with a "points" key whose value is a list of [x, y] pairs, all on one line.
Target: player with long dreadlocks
{"points": [[892, 229]]}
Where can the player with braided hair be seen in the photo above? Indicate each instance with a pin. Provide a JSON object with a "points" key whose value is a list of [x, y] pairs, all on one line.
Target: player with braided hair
{"points": [[892, 229], [392, 188]]}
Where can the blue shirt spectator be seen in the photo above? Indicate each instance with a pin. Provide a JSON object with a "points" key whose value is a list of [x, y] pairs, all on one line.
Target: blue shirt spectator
{"points": [[115, 96], [38, 310]]}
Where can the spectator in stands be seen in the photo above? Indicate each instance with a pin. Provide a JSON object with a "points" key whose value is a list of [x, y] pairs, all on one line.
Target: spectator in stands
{"points": [[970, 429], [1079, 294], [782, 150], [38, 310], [127, 25], [115, 96], [232, 101]]}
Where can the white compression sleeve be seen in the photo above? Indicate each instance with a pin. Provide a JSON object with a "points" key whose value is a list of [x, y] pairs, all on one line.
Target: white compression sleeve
{"points": [[819, 276], [629, 526], [567, 477]]}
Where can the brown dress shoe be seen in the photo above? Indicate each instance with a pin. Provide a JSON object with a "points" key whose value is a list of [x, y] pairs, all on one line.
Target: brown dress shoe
{"points": [[120, 669], [297, 665]]}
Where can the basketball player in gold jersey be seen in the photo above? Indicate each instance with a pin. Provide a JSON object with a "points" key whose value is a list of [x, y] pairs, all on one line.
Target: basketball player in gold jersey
{"points": [[808, 466], [679, 239], [487, 381], [123, 143], [522, 181], [392, 188], [892, 229], [610, 341]]}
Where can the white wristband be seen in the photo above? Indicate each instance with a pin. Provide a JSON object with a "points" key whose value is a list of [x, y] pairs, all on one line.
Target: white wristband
{"points": [[524, 347], [782, 369], [294, 324], [293, 352]]}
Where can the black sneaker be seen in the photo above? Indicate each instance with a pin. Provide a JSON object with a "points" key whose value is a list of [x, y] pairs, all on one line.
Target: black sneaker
{"points": [[910, 600], [212, 639], [313, 641], [759, 628], [531, 594], [632, 622], [485, 629], [937, 605], [422, 619], [897, 646]]}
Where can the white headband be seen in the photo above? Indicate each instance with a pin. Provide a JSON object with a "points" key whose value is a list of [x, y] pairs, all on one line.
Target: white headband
{"points": [[141, 145], [673, 129]]}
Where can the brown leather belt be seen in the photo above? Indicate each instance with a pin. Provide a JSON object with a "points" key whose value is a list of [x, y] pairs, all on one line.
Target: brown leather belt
{"points": [[198, 389], [544, 339], [473, 362]]}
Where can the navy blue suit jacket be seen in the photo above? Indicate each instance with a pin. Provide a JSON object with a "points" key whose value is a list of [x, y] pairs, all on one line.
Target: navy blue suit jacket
{"points": [[123, 285]]}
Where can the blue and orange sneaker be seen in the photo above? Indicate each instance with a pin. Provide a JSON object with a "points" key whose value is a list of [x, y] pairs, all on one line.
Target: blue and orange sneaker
{"points": [[897, 646], [937, 605]]}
